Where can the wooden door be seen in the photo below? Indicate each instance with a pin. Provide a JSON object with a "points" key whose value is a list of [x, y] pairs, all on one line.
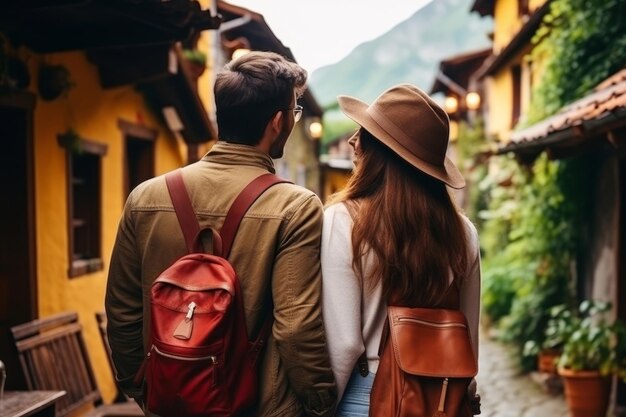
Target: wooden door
{"points": [[18, 285]]}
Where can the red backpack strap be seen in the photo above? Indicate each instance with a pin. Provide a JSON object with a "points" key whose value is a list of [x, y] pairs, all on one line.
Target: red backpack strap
{"points": [[191, 228], [187, 217], [184, 210], [235, 214], [241, 205]]}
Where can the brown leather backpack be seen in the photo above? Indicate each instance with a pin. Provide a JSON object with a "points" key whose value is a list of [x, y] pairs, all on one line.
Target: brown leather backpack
{"points": [[426, 364]]}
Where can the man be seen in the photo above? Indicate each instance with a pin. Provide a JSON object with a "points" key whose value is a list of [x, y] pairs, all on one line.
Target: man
{"points": [[275, 252]]}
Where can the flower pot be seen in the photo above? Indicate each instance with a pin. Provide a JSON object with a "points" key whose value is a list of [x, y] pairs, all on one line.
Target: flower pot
{"points": [[546, 360], [586, 392], [197, 69]]}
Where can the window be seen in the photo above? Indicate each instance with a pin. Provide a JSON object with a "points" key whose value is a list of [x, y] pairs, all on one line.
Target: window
{"points": [[522, 8], [139, 154], [84, 168], [516, 76]]}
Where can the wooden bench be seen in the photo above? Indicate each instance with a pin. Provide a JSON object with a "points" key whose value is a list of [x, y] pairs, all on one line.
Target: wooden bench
{"points": [[53, 356]]}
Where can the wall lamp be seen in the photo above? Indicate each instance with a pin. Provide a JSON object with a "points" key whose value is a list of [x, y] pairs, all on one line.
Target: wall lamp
{"points": [[315, 130]]}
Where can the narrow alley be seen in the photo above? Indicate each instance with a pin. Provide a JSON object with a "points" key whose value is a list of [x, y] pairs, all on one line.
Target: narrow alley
{"points": [[507, 393]]}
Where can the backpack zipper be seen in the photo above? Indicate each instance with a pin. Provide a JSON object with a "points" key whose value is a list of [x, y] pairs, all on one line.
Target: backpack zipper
{"points": [[442, 398], [430, 323], [212, 358]]}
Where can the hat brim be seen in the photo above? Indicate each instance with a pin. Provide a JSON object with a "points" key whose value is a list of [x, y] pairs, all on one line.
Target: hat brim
{"points": [[356, 110]]}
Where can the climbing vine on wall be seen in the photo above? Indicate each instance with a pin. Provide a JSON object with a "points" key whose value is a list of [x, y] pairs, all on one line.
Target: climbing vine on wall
{"points": [[582, 43], [530, 250]]}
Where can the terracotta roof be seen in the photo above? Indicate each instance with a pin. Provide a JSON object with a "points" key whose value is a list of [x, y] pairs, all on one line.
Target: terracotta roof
{"points": [[584, 117]]}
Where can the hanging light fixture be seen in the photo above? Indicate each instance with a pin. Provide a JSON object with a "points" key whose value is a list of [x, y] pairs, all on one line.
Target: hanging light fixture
{"points": [[451, 104], [472, 100]]}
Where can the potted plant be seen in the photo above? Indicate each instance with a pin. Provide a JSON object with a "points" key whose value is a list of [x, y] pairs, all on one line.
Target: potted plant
{"points": [[592, 354], [556, 333], [197, 60], [53, 81]]}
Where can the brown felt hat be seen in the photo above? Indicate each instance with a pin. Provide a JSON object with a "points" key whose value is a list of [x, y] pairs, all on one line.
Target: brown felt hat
{"points": [[411, 124]]}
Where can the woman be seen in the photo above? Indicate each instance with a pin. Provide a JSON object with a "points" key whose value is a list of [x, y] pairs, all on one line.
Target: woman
{"points": [[393, 231]]}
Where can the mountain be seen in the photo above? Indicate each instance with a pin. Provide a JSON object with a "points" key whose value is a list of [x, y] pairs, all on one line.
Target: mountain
{"points": [[409, 52]]}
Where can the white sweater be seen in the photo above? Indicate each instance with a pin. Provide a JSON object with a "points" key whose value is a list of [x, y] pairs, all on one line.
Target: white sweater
{"points": [[353, 316]]}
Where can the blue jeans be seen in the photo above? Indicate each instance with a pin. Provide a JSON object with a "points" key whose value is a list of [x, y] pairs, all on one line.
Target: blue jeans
{"points": [[356, 400]]}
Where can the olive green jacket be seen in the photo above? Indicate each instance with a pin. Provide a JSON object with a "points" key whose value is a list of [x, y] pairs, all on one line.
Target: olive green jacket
{"points": [[275, 254]]}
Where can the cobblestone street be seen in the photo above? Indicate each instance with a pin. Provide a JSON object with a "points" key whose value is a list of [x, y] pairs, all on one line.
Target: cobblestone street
{"points": [[506, 393]]}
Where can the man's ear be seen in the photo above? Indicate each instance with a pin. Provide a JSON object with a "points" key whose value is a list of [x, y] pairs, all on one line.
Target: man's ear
{"points": [[272, 129], [276, 121]]}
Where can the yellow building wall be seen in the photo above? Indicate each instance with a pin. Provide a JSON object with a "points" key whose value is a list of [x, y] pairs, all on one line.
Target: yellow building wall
{"points": [[334, 180], [500, 98], [499, 86], [505, 24], [507, 21], [93, 113], [535, 4]]}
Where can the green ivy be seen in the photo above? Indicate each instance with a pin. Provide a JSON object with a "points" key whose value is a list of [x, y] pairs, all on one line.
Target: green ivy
{"points": [[470, 144], [583, 42], [532, 224], [530, 239]]}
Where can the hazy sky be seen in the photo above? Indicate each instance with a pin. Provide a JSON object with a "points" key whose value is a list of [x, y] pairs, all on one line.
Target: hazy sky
{"points": [[322, 32]]}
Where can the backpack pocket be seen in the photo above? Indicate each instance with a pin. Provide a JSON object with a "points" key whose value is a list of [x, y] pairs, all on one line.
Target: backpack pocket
{"points": [[188, 382], [432, 342]]}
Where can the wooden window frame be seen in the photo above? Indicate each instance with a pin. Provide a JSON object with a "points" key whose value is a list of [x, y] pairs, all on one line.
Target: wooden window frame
{"points": [[516, 84], [135, 132], [76, 148], [523, 8]]}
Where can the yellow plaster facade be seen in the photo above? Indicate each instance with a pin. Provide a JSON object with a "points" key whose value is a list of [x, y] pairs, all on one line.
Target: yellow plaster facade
{"points": [[499, 85], [507, 21], [93, 113], [334, 180]]}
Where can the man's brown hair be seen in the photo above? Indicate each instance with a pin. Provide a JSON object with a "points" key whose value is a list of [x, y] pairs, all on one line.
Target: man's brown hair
{"points": [[250, 90]]}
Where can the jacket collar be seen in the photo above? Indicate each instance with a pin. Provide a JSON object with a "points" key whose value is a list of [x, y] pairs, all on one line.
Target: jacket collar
{"points": [[236, 154]]}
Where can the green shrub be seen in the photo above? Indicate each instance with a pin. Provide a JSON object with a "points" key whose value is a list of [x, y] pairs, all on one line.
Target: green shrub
{"points": [[594, 342]]}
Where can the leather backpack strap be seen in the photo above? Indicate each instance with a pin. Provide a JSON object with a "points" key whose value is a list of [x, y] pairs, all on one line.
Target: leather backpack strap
{"points": [[241, 205], [452, 297], [190, 227], [184, 210], [235, 214]]}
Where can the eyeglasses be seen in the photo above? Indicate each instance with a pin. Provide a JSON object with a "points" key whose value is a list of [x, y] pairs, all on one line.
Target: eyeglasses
{"points": [[297, 112]]}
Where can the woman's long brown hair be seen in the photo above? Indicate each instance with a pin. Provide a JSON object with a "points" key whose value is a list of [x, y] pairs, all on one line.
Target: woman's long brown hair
{"points": [[408, 221]]}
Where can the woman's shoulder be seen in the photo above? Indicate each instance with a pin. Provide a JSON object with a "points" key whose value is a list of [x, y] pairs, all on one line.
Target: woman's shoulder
{"points": [[469, 225], [471, 232], [337, 219], [337, 210]]}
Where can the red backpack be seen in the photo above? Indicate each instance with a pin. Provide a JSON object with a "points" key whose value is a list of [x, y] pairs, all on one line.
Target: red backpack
{"points": [[201, 362]]}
